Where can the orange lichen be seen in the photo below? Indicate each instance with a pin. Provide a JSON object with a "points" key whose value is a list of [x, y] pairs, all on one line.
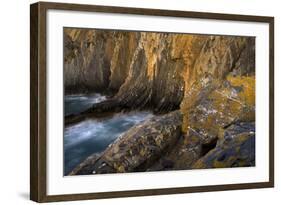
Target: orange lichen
{"points": [[247, 83], [232, 100], [152, 45]]}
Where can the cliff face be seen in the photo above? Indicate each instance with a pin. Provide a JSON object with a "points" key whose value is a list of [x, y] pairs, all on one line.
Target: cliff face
{"points": [[147, 69], [142, 69], [209, 79], [87, 55]]}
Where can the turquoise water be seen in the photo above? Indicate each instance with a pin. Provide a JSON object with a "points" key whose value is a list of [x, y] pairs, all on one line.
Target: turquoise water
{"points": [[74, 104], [93, 136]]}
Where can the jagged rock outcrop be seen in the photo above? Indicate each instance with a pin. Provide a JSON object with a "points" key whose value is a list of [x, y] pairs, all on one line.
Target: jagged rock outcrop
{"points": [[149, 70], [218, 131], [221, 93], [217, 109]]}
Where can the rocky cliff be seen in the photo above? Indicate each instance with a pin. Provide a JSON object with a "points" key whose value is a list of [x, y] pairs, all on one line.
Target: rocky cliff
{"points": [[209, 79], [150, 69]]}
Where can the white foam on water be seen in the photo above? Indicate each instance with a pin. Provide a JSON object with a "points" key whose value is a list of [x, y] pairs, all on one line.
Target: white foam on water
{"points": [[92, 135]]}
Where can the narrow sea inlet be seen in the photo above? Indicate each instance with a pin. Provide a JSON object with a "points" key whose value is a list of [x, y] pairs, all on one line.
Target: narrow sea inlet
{"points": [[74, 104], [93, 135]]}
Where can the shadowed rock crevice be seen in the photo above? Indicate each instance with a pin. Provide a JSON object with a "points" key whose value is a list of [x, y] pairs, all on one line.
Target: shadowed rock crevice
{"points": [[208, 147]]}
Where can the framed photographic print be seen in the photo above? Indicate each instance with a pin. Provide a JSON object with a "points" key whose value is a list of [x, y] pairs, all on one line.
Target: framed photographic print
{"points": [[134, 102]]}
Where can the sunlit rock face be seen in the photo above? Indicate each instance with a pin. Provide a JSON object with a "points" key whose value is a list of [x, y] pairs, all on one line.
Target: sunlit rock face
{"points": [[219, 93], [147, 69]]}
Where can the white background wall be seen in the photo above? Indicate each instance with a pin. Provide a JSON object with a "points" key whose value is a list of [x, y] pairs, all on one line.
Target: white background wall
{"points": [[14, 101]]}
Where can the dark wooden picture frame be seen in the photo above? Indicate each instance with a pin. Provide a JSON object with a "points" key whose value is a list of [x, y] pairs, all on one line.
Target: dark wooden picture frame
{"points": [[38, 101]]}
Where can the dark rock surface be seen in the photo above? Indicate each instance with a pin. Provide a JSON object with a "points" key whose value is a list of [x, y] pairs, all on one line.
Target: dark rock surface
{"points": [[235, 149]]}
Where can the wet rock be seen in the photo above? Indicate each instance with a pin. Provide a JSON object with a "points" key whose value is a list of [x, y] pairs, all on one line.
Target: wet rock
{"points": [[85, 166], [218, 109], [138, 148]]}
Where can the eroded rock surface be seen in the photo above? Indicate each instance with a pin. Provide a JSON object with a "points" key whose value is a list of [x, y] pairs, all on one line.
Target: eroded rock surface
{"points": [[138, 148], [212, 111], [235, 149]]}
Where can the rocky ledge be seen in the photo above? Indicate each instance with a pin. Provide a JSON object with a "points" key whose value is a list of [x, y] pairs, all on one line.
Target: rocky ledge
{"points": [[214, 130], [138, 148]]}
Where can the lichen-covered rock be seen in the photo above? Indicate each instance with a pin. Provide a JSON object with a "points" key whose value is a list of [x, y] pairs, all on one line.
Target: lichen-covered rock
{"points": [[235, 149], [211, 106], [138, 148], [217, 104], [181, 156]]}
